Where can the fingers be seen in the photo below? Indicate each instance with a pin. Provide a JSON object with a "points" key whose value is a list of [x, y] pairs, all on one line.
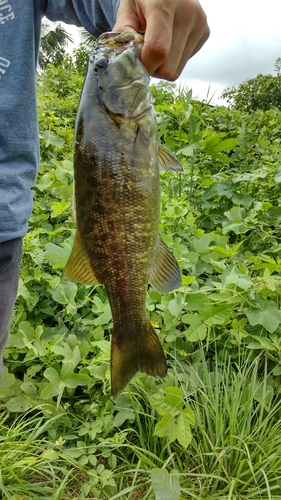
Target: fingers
{"points": [[129, 17], [158, 36], [174, 32], [189, 33]]}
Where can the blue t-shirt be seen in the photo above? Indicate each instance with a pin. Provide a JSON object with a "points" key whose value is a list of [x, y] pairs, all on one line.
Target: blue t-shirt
{"points": [[20, 22]]}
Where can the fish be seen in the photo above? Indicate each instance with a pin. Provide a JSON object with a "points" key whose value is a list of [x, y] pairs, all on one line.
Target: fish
{"points": [[117, 157]]}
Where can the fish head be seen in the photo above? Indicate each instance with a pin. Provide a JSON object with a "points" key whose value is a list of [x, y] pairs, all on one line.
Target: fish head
{"points": [[122, 80]]}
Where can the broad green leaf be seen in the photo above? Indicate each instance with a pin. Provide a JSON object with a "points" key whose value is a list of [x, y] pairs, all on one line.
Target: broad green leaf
{"points": [[91, 429], [233, 276], [277, 371], [195, 300], [27, 330], [166, 427], [274, 212], [184, 422], [23, 290], [65, 294], [268, 316], [68, 166], [201, 245], [52, 375], [60, 208], [29, 388], [226, 144], [45, 181], [193, 128], [173, 397], [18, 404], [270, 281], [53, 280], [122, 416], [49, 454], [71, 379], [189, 150], [157, 401], [166, 486], [175, 306], [51, 138], [105, 317], [236, 227], [245, 200], [217, 314], [211, 139], [263, 343], [188, 280], [64, 350], [57, 256], [197, 329], [53, 390], [9, 385]]}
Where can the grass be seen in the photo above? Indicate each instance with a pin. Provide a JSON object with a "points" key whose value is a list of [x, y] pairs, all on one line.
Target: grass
{"points": [[235, 452], [236, 447], [29, 465]]}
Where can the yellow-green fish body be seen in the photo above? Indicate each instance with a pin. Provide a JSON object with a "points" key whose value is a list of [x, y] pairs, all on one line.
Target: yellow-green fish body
{"points": [[117, 191]]}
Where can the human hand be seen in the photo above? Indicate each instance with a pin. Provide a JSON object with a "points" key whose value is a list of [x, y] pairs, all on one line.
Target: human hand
{"points": [[174, 31]]}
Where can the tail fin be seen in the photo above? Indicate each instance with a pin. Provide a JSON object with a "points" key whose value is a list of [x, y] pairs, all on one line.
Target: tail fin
{"points": [[143, 353]]}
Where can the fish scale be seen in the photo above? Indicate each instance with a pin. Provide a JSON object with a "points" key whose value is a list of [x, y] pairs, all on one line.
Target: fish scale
{"points": [[117, 199]]}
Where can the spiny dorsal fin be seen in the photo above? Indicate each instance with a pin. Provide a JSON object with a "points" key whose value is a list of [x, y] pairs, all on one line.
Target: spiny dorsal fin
{"points": [[164, 273], [78, 267], [167, 161]]}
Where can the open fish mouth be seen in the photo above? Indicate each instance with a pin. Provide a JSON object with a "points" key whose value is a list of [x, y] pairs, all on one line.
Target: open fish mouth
{"points": [[112, 43], [118, 38]]}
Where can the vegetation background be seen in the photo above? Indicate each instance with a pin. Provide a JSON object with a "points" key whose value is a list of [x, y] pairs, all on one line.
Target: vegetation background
{"points": [[211, 428]]}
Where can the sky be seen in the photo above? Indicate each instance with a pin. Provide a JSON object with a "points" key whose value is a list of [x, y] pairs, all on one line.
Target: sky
{"points": [[245, 41]]}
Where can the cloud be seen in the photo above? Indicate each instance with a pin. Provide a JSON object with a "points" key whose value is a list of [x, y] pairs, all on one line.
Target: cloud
{"points": [[245, 41], [234, 64]]}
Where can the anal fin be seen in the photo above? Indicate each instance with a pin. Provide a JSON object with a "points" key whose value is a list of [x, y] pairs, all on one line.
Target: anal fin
{"points": [[164, 273], [78, 267]]}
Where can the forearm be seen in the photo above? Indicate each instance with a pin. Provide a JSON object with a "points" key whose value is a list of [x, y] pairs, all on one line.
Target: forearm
{"points": [[96, 16]]}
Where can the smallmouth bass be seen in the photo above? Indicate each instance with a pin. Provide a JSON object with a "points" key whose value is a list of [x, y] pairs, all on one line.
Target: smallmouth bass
{"points": [[117, 196]]}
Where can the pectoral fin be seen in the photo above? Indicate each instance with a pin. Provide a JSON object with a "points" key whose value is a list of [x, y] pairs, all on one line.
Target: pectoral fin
{"points": [[167, 161], [164, 274], [78, 267]]}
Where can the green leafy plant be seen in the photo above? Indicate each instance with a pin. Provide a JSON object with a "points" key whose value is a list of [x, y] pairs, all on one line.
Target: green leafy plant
{"points": [[211, 428]]}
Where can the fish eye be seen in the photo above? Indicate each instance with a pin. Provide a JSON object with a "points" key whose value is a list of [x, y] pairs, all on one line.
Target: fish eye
{"points": [[102, 63]]}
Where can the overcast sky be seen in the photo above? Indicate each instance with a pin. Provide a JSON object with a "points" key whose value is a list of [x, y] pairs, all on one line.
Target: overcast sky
{"points": [[245, 41]]}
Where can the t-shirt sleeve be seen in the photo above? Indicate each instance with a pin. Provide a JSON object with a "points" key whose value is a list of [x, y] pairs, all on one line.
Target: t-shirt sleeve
{"points": [[96, 16]]}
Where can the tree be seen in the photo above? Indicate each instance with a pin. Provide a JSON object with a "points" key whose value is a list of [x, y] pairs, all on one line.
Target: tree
{"points": [[53, 45], [262, 92]]}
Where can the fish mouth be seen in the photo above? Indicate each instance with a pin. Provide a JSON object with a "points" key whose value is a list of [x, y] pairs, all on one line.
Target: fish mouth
{"points": [[119, 38], [116, 41]]}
